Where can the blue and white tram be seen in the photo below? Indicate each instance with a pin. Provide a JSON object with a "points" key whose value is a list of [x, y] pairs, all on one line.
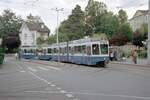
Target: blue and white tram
{"points": [[28, 52], [90, 51]]}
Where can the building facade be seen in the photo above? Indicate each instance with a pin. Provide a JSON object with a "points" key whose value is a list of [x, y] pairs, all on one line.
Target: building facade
{"points": [[139, 18], [31, 30]]}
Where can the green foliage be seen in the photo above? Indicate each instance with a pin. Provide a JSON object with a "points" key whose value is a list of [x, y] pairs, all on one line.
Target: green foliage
{"points": [[122, 16], [93, 10], [143, 30], [107, 23], [51, 39], [73, 27], [126, 31], [40, 41], [142, 54], [9, 23]]}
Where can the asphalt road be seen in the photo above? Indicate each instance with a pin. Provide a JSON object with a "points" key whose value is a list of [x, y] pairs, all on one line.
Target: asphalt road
{"points": [[26, 80]]}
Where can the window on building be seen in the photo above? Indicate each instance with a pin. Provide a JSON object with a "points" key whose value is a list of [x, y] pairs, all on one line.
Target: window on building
{"points": [[95, 49], [104, 48]]}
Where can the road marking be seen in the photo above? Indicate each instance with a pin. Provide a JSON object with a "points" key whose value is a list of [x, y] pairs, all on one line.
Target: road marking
{"points": [[63, 91], [69, 95], [42, 79], [45, 69], [22, 71], [31, 69], [47, 92], [53, 85], [54, 68], [93, 94], [59, 88]]}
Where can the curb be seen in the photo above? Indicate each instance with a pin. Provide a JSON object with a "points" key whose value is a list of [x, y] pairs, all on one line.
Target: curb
{"points": [[139, 65]]}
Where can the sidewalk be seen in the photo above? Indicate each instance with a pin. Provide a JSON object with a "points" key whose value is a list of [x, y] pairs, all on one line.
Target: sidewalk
{"points": [[128, 61]]}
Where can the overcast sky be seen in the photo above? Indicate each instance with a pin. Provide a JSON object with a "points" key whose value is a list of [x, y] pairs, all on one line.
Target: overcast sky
{"points": [[43, 8]]}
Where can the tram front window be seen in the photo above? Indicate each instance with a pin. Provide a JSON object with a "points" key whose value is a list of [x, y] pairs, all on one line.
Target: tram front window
{"points": [[104, 48], [95, 49]]}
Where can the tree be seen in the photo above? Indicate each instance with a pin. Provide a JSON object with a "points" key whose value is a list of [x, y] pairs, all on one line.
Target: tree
{"points": [[51, 39], [73, 27], [11, 42], [137, 38], [9, 28], [118, 39], [126, 31], [92, 10], [144, 31], [122, 16], [107, 23], [9, 23], [140, 35], [40, 41]]}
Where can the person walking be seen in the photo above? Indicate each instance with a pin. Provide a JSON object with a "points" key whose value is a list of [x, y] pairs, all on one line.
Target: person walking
{"points": [[134, 56], [111, 55]]}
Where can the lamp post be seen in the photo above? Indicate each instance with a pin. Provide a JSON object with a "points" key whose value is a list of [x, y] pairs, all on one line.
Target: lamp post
{"points": [[148, 52], [57, 31]]}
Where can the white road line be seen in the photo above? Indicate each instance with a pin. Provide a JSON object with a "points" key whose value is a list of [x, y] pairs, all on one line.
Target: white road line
{"points": [[47, 82], [93, 94], [54, 68], [47, 92], [31, 69], [58, 88], [42, 68], [63, 91], [69, 95], [22, 71], [53, 85]]}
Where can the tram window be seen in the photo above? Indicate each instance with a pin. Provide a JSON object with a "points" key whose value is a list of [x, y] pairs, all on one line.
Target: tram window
{"points": [[88, 50], [104, 48], [65, 50], [44, 51], [78, 49], [70, 50], [95, 49], [84, 49], [49, 50], [55, 50], [25, 51]]}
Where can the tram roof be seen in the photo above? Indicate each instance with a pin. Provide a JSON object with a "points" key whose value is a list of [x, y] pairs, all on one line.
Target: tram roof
{"points": [[89, 40]]}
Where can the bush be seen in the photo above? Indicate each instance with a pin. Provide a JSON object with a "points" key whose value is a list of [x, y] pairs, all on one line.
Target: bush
{"points": [[142, 54]]}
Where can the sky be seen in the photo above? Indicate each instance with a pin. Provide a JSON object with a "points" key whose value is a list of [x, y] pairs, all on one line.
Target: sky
{"points": [[43, 8]]}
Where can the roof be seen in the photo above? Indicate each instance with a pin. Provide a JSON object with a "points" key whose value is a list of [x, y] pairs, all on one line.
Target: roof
{"points": [[139, 13], [37, 26]]}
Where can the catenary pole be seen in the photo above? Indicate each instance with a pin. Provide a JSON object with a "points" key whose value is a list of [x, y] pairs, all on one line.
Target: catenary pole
{"points": [[57, 28], [148, 52]]}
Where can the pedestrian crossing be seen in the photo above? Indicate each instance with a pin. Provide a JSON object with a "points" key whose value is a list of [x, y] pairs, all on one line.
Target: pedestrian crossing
{"points": [[38, 68]]}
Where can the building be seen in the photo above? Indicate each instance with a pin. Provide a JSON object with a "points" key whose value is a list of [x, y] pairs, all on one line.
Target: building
{"points": [[139, 18], [32, 29]]}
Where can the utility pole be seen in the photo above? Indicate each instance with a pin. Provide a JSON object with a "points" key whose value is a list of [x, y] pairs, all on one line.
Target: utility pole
{"points": [[57, 31], [148, 52]]}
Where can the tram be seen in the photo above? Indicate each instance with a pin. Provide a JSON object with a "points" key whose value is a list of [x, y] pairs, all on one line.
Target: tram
{"points": [[91, 51], [1, 52]]}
